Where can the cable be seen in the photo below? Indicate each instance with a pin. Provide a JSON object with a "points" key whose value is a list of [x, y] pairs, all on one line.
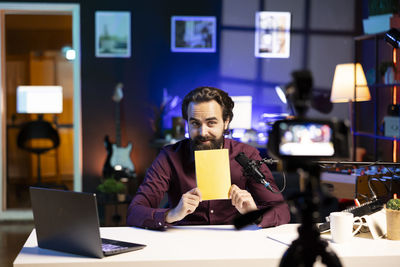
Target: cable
{"points": [[272, 161], [364, 196], [374, 196], [284, 182], [371, 190]]}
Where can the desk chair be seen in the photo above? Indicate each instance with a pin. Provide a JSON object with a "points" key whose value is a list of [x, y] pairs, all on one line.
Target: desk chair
{"points": [[38, 130]]}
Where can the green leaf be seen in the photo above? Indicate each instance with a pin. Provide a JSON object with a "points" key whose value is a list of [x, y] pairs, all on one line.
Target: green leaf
{"points": [[393, 204]]}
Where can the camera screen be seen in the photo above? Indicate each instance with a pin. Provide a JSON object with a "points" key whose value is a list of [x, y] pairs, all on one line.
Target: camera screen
{"points": [[306, 139]]}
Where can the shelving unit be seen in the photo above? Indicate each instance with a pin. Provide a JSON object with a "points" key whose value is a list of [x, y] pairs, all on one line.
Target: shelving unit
{"points": [[381, 96]]}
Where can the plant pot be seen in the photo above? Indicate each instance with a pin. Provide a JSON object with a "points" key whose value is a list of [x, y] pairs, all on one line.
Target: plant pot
{"points": [[121, 197], [393, 224]]}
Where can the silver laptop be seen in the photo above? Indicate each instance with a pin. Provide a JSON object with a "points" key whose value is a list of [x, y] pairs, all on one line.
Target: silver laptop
{"points": [[68, 221]]}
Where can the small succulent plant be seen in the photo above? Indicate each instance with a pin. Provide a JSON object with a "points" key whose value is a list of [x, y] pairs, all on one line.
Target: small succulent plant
{"points": [[110, 186], [393, 204]]}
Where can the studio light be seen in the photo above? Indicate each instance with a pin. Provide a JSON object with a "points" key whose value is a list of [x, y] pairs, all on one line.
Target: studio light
{"points": [[281, 94]]}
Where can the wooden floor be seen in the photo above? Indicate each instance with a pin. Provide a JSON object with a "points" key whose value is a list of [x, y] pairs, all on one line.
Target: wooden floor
{"points": [[12, 238]]}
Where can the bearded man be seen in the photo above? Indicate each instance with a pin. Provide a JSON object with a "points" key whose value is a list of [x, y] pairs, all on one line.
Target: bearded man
{"points": [[208, 112]]}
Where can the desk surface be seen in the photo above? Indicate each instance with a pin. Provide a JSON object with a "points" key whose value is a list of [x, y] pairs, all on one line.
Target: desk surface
{"points": [[211, 246]]}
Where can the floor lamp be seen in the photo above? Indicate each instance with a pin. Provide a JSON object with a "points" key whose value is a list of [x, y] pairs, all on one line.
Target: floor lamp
{"points": [[39, 136], [350, 85]]}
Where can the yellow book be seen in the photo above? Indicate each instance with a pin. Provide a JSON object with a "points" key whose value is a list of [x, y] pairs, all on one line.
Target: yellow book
{"points": [[213, 174]]}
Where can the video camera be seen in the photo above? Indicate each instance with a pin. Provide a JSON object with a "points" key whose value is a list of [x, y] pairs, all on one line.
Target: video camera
{"points": [[300, 140], [309, 139]]}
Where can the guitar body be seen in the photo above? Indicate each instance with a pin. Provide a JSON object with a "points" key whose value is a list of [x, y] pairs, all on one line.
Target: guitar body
{"points": [[122, 156]]}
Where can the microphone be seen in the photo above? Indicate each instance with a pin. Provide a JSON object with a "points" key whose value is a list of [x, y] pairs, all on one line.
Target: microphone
{"points": [[251, 169]]}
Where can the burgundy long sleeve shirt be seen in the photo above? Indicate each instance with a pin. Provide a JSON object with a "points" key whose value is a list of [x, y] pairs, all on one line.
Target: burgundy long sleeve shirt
{"points": [[173, 172]]}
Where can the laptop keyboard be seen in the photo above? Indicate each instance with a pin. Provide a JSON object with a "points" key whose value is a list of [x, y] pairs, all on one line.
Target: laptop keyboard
{"points": [[111, 246]]}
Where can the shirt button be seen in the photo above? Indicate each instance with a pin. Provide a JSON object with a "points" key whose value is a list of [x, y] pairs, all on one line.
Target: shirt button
{"points": [[212, 211], [159, 223]]}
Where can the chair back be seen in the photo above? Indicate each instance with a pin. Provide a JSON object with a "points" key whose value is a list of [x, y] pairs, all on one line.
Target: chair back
{"points": [[35, 130]]}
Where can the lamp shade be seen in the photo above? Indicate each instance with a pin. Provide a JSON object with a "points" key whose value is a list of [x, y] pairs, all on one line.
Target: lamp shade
{"points": [[34, 99], [347, 78]]}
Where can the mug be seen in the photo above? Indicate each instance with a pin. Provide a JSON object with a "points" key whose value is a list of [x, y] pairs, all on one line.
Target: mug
{"points": [[342, 226]]}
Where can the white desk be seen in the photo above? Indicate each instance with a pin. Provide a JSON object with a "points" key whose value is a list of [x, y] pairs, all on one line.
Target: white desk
{"points": [[210, 246]]}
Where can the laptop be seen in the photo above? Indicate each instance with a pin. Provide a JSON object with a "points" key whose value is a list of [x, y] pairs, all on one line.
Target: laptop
{"points": [[68, 221]]}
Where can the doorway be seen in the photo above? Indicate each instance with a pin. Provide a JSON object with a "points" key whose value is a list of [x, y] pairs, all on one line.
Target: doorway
{"points": [[34, 44]]}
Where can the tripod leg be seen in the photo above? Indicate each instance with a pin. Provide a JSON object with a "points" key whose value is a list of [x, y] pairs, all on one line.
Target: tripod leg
{"points": [[329, 258], [298, 254], [305, 254]]}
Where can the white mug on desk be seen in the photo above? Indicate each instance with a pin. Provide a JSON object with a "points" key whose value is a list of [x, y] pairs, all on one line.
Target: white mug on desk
{"points": [[342, 226]]}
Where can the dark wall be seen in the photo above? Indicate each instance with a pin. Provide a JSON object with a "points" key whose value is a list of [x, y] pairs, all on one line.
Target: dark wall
{"points": [[151, 68]]}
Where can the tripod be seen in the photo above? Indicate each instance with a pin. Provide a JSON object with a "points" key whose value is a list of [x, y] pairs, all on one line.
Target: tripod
{"points": [[305, 250], [309, 246]]}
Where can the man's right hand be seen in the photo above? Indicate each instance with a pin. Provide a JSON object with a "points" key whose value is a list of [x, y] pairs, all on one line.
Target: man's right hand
{"points": [[187, 205]]}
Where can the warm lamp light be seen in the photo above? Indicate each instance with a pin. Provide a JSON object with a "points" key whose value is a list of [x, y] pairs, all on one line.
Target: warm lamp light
{"points": [[43, 99], [344, 89], [349, 85]]}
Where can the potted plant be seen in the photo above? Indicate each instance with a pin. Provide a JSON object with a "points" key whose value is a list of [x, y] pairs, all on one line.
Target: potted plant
{"points": [[113, 187], [393, 218]]}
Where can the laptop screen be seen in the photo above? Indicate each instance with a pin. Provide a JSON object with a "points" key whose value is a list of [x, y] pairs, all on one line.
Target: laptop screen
{"points": [[66, 221]]}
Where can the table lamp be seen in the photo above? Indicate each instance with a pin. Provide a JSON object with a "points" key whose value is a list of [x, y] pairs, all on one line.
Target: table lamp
{"points": [[350, 85]]}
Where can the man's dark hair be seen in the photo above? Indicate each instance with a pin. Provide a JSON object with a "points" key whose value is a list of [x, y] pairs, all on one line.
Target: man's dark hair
{"points": [[205, 94]]}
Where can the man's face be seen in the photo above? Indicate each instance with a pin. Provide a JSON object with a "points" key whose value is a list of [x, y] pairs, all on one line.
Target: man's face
{"points": [[206, 126]]}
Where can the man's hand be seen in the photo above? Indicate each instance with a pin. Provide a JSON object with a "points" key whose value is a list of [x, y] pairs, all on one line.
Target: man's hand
{"points": [[187, 205], [241, 199]]}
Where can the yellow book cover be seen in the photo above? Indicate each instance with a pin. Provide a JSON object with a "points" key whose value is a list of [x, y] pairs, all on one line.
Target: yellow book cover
{"points": [[213, 173]]}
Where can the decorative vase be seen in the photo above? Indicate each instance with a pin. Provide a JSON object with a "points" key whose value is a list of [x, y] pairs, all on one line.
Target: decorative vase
{"points": [[393, 224], [121, 197], [389, 76]]}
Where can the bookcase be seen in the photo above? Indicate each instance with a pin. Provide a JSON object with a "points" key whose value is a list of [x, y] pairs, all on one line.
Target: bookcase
{"points": [[374, 54]]}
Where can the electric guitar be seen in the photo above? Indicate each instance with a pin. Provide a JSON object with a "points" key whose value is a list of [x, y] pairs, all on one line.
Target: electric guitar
{"points": [[118, 162]]}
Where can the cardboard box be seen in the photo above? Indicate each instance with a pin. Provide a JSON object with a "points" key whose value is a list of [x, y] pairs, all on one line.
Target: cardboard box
{"points": [[377, 24], [392, 126]]}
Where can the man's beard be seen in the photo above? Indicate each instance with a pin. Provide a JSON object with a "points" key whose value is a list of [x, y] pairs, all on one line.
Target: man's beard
{"points": [[214, 143]]}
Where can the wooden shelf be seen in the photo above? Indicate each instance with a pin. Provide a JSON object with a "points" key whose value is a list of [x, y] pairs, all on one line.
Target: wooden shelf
{"points": [[380, 85], [381, 137], [370, 36]]}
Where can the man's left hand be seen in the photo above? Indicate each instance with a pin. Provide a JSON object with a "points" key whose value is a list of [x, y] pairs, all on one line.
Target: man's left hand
{"points": [[241, 199]]}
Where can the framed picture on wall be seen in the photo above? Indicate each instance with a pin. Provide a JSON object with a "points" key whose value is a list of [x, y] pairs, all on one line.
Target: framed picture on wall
{"points": [[272, 36], [113, 33], [193, 34]]}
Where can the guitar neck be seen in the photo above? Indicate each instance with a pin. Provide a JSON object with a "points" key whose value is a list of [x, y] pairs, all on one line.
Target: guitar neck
{"points": [[117, 125]]}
